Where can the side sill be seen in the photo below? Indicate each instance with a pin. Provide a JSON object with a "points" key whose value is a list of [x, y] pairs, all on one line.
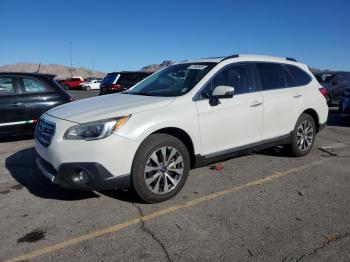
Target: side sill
{"points": [[201, 161]]}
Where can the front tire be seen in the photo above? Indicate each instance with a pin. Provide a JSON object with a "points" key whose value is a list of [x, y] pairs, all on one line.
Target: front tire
{"points": [[303, 137], [160, 168]]}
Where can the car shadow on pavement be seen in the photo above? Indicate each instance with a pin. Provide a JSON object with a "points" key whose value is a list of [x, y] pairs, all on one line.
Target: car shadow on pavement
{"points": [[278, 151], [23, 169], [334, 119], [122, 195]]}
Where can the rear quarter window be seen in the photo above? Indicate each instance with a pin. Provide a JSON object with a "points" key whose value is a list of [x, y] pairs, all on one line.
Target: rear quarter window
{"points": [[301, 78]]}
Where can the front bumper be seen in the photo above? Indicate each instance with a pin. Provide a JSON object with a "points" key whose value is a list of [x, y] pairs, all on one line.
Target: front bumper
{"points": [[98, 177], [106, 161]]}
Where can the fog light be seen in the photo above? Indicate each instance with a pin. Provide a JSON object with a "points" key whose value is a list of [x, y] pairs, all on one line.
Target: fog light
{"points": [[80, 177]]}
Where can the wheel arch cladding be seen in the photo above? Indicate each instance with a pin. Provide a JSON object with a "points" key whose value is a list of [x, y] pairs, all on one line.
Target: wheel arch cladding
{"points": [[314, 115], [181, 135]]}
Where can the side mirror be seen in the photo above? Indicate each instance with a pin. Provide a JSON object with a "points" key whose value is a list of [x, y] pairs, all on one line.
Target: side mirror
{"points": [[221, 92]]}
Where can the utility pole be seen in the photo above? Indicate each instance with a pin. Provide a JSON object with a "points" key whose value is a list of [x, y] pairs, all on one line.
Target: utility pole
{"points": [[71, 61], [39, 68]]}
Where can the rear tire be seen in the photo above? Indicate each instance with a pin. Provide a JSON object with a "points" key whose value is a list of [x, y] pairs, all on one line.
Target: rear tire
{"points": [[303, 137], [160, 168]]}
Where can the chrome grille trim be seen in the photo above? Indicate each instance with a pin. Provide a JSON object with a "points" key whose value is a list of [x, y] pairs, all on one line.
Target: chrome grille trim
{"points": [[44, 132]]}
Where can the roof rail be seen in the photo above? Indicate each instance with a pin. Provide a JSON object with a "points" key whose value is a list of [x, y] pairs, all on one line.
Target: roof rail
{"points": [[229, 57], [291, 59]]}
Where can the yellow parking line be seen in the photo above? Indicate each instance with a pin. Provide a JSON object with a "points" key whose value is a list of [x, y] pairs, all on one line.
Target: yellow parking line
{"points": [[113, 229]]}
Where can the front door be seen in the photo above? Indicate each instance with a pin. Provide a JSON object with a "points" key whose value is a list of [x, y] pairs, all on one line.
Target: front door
{"points": [[235, 122]]}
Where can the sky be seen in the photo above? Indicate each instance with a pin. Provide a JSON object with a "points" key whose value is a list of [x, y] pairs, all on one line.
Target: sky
{"points": [[115, 35]]}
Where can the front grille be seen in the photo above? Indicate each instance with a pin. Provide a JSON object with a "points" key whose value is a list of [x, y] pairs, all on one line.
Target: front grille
{"points": [[44, 132]]}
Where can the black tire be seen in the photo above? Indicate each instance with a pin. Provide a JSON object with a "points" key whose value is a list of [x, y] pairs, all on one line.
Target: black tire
{"points": [[295, 148], [87, 88], [153, 144]]}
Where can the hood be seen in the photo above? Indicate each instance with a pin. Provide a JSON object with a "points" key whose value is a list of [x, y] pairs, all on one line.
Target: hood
{"points": [[108, 106]]}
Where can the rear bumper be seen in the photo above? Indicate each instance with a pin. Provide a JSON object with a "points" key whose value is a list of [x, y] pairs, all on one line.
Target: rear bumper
{"points": [[98, 177]]}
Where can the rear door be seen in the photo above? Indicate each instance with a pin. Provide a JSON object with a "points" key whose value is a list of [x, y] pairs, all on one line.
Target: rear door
{"points": [[37, 97], [282, 101], [11, 107]]}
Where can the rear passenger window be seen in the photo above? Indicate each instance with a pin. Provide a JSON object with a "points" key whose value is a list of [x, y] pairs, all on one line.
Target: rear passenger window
{"points": [[6, 86], [271, 76], [128, 79], [34, 86], [300, 76]]}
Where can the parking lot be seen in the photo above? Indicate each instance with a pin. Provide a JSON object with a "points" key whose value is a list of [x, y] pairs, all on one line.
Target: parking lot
{"points": [[264, 206]]}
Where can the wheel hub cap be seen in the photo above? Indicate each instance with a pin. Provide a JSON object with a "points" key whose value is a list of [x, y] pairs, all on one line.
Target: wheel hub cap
{"points": [[305, 135], [163, 170]]}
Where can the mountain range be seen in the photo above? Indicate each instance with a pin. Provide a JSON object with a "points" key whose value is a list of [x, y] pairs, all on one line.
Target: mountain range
{"points": [[64, 72]]}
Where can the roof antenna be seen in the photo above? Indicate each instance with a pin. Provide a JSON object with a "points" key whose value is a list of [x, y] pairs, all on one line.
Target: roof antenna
{"points": [[38, 68]]}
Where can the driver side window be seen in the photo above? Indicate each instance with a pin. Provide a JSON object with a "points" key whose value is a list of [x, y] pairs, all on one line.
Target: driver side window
{"points": [[236, 76]]}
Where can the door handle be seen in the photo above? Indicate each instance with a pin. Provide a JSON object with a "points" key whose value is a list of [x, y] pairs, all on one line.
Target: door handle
{"points": [[255, 104], [297, 95], [17, 104]]}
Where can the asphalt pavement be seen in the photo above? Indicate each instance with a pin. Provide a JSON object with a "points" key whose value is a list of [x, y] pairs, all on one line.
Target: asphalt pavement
{"points": [[264, 206]]}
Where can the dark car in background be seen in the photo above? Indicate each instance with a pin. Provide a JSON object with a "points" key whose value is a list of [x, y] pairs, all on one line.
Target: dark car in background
{"points": [[24, 97], [335, 82], [120, 81], [344, 103]]}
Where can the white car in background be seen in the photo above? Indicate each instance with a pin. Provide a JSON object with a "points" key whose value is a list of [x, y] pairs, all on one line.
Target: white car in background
{"points": [[91, 85], [186, 115]]}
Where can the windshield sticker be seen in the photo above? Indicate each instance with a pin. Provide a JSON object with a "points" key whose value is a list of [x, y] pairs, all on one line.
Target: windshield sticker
{"points": [[197, 67]]}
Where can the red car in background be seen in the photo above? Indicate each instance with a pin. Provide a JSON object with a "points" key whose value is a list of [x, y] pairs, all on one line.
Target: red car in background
{"points": [[73, 83]]}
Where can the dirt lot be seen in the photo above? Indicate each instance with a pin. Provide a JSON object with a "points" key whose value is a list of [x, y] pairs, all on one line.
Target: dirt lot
{"points": [[260, 207]]}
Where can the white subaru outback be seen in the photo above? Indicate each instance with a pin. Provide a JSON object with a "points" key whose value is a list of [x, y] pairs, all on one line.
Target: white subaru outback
{"points": [[187, 115]]}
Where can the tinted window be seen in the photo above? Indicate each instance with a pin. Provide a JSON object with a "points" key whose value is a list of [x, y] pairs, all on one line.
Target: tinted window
{"points": [[236, 76], [6, 86], [109, 78], [340, 77], [130, 79], [324, 78], [289, 79], [271, 76], [32, 85], [347, 77], [300, 76]]}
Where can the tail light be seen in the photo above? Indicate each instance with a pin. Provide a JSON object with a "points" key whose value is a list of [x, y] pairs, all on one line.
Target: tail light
{"points": [[324, 91], [114, 87]]}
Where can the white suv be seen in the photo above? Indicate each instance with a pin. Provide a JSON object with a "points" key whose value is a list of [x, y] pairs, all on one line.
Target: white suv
{"points": [[187, 115]]}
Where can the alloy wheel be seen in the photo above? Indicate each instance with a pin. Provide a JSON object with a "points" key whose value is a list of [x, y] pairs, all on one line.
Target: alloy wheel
{"points": [[305, 135], [163, 170]]}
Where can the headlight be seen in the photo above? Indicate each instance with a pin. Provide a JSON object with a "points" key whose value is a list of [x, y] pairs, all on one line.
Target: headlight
{"points": [[95, 130]]}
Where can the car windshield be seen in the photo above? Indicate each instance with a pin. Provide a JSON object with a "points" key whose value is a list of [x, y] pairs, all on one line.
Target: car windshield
{"points": [[175, 80]]}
